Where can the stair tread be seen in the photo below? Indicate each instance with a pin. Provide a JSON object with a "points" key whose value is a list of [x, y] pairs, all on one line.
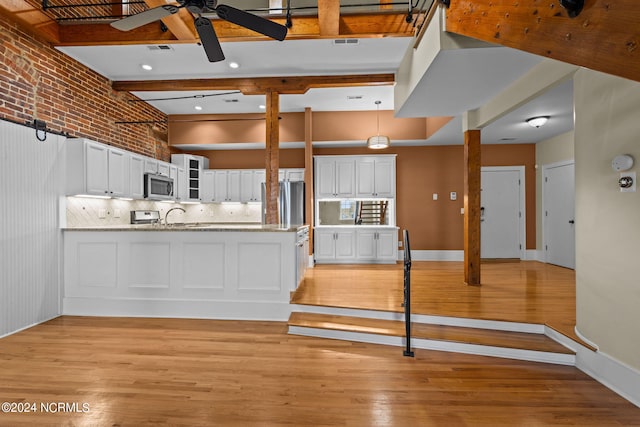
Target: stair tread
{"points": [[505, 339]]}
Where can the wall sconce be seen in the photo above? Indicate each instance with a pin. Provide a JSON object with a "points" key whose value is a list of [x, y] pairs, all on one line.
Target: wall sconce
{"points": [[537, 122]]}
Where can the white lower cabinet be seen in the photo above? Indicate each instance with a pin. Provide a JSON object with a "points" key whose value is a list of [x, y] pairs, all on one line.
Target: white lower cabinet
{"points": [[334, 245], [347, 245], [376, 245]]}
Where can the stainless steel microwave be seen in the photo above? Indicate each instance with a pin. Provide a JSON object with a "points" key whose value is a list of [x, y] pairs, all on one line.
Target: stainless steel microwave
{"points": [[158, 187]]}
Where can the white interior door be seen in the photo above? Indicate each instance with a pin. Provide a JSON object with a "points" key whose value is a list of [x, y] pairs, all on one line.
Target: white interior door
{"points": [[559, 215], [502, 212]]}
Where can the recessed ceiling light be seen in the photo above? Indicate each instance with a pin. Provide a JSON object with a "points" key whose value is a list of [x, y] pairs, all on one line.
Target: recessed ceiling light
{"points": [[262, 107], [233, 65], [197, 107], [146, 67]]}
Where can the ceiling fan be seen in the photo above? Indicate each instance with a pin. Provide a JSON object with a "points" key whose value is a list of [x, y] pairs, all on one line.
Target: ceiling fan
{"points": [[203, 25]]}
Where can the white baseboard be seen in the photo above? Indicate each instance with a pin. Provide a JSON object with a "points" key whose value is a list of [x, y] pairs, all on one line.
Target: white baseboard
{"points": [[534, 255], [615, 375], [29, 326], [189, 309], [424, 255], [453, 255]]}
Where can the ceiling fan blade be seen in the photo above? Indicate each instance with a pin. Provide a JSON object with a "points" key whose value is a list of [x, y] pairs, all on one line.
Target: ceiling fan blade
{"points": [[144, 18], [209, 39], [252, 22]]}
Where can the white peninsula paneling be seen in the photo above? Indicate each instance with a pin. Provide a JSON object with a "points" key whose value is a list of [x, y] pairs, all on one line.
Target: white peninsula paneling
{"points": [[203, 265], [197, 274], [30, 187]]}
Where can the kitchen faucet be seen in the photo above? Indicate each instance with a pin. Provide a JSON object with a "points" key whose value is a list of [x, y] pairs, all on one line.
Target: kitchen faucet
{"points": [[167, 214]]}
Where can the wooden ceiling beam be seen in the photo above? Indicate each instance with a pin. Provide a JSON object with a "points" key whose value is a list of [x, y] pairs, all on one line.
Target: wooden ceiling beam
{"points": [[304, 27], [32, 18], [605, 36], [257, 85], [180, 24], [329, 17]]}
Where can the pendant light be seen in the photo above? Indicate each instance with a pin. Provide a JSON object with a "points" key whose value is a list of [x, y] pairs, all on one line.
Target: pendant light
{"points": [[378, 141]]}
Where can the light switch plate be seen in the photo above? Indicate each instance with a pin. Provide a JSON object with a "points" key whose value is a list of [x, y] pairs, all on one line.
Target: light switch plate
{"points": [[453, 195], [435, 196]]}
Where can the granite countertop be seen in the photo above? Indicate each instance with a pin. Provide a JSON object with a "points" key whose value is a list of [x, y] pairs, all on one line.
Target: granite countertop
{"points": [[199, 226]]}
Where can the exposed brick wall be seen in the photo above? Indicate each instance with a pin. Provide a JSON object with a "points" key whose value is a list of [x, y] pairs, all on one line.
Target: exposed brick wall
{"points": [[38, 82]]}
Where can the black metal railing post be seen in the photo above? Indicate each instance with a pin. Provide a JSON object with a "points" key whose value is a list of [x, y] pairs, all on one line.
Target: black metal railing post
{"points": [[407, 294]]}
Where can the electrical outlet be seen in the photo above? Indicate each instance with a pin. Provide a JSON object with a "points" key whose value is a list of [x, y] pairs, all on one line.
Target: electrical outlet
{"points": [[399, 243], [116, 213], [102, 213]]}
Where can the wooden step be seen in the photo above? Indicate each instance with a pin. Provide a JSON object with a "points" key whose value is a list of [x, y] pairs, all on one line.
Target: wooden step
{"points": [[454, 334]]}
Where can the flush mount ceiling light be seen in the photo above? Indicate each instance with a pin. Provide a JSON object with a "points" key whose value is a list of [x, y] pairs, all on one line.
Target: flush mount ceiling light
{"points": [[537, 122], [378, 141], [146, 67]]}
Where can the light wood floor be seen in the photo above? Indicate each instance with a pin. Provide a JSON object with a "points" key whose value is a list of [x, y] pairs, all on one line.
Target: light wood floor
{"points": [[516, 291], [140, 372]]}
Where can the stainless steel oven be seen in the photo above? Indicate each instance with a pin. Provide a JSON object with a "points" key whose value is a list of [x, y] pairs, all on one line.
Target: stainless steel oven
{"points": [[158, 187]]}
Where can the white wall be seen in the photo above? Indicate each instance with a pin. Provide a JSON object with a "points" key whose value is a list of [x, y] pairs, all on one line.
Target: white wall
{"points": [[553, 150], [607, 221], [30, 240]]}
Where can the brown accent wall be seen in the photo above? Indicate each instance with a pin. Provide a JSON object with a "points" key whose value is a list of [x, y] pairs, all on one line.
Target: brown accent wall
{"points": [[421, 171], [37, 81], [251, 159], [327, 126]]}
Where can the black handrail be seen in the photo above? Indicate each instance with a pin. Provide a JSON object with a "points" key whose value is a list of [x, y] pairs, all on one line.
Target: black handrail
{"points": [[407, 293]]}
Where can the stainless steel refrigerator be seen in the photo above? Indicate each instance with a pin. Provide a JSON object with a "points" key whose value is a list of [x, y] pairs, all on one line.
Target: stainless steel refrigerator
{"points": [[290, 203]]}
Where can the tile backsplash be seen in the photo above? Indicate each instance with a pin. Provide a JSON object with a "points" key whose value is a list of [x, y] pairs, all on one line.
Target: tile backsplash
{"points": [[91, 212]]}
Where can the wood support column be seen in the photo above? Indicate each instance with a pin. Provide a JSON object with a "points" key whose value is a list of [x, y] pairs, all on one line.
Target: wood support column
{"points": [[272, 156], [308, 174], [472, 207]]}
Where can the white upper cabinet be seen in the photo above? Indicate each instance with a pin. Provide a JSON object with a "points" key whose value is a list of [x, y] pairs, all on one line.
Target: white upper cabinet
{"points": [[164, 168], [96, 169], [259, 176], [226, 185], [194, 167], [136, 176], [250, 184], [208, 182], [335, 177], [376, 176]]}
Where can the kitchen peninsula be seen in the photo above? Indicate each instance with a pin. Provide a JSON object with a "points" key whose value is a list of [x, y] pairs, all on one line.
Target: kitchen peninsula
{"points": [[221, 271]]}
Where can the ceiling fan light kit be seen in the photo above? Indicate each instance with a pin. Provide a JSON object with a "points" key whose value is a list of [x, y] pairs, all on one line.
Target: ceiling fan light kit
{"points": [[203, 25]]}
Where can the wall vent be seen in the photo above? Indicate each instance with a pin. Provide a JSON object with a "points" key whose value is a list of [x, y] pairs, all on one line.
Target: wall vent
{"points": [[160, 48], [344, 42]]}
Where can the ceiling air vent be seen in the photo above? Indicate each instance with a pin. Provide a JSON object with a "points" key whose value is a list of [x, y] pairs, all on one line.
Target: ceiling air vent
{"points": [[345, 42], [231, 100], [353, 97], [160, 48]]}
